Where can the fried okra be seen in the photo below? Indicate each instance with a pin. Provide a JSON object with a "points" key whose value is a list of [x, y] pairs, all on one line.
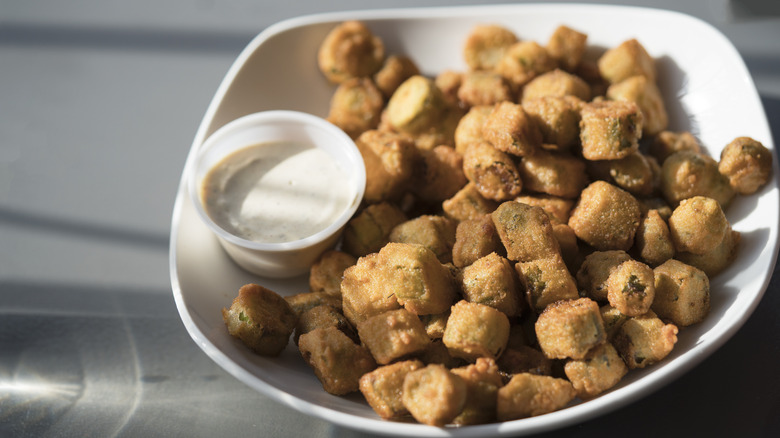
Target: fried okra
{"points": [[364, 289], [632, 173], [323, 316], [435, 324], [383, 388], [369, 230], [645, 93], [631, 288], [524, 61], [653, 241], [482, 382], [474, 239], [570, 328], [668, 142], [682, 293], [628, 59], [546, 281], [714, 262], [644, 340], [685, 174], [261, 319], [606, 217], [492, 281], [308, 300], [595, 271], [747, 164], [468, 203], [436, 233], [524, 359], [525, 231], [557, 209], [389, 159], [601, 369], [326, 272], [438, 174], [395, 70], [492, 171], [337, 362], [356, 106], [612, 318], [350, 50], [529, 395], [469, 129], [570, 248], [415, 106], [392, 335], [476, 330], [483, 88], [437, 353], [448, 81], [556, 83], [698, 225], [434, 395], [567, 46], [486, 44], [509, 129], [610, 130], [558, 119], [556, 174]]}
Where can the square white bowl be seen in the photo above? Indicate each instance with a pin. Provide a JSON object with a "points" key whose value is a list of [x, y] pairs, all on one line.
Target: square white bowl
{"points": [[707, 89]]}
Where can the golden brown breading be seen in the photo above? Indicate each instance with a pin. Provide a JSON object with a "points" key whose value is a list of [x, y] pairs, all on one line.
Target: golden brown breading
{"points": [[482, 382], [383, 388], [389, 160], [415, 106], [610, 130], [307, 300], [438, 174], [644, 340], [364, 290], [698, 225], [483, 88], [631, 288], [326, 272], [509, 129], [599, 371], [528, 395], [558, 119], [570, 328], [350, 50], [434, 232], [392, 335], [632, 173], [369, 230], [645, 93], [557, 209], [356, 106], [685, 174], [714, 262], [525, 231], [486, 44], [551, 173], [668, 142], [476, 330], [595, 270], [557, 83], [475, 238], [261, 319], [747, 164], [469, 129], [606, 217], [628, 59], [653, 241], [682, 293], [546, 281], [524, 61], [337, 362], [395, 70], [434, 395], [492, 281], [323, 316], [492, 171], [468, 203], [567, 46]]}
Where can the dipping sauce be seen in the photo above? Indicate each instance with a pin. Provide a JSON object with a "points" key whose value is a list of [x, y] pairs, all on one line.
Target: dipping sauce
{"points": [[276, 192]]}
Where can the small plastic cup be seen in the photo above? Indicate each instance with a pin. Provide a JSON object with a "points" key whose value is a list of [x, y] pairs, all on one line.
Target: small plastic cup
{"points": [[295, 257]]}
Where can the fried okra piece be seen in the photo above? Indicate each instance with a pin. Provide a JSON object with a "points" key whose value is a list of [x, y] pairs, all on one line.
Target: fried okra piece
{"points": [[524, 359], [337, 362], [698, 225], [570, 328], [492, 281], [309, 300], [747, 164], [392, 335], [441, 131], [567, 46], [570, 248], [557, 209], [483, 88], [558, 119], [326, 272], [595, 271], [364, 290], [655, 203], [469, 129], [525, 231], [686, 174], [486, 44], [474, 239], [606, 217], [437, 353], [370, 229], [438, 174], [631, 288], [645, 93], [644, 340], [415, 106], [395, 70], [448, 81], [468, 203], [482, 382], [524, 61], [323, 316], [261, 319], [610, 130], [356, 106], [546, 281], [601, 369], [434, 395], [383, 388], [556, 83], [632, 173], [476, 330], [529, 395], [492, 171], [509, 129], [612, 318], [389, 159], [714, 262], [628, 59], [435, 324], [653, 241], [668, 142], [556, 174], [350, 50], [682, 293], [436, 233]]}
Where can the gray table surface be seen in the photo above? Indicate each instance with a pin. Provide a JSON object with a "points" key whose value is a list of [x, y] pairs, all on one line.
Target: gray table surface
{"points": [[99, 103]]}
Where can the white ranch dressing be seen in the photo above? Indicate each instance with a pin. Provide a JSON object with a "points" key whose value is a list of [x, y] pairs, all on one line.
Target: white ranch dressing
{"points": [[276, 192]]}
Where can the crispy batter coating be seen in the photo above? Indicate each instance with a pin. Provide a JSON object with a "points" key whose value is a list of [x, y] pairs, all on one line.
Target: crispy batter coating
{"points": [[337, 362], [747, 164], [416, 105], [476, 330], [469, 129], [714, 262], [613, 319], [628, 59], [546, 281], [631, 288], [383, 388], [645, 93], [392, 335], [567, 46], [369, 230], [323, 316], [435, 324], [644, 340], [482, 382], [395, 70], [610, 130], [261, 319], [474, 239], [389, 159], [557, 83], [685, 174], [483, 88], [438, 174], [437, 353], [595, 270], [307, 300], [525, 231], [668, 142], [553, 173], [528, 395], [632, 173], [524, 61], [682, 293], [599, 371], [468, 203], [557, 209], [492, 171], [492, 281], [434, 232], [449, 81], [486, 44], [570, 328], [509, 129], [326, 272], [698, 225], [434, 395], [364, 290], [558, 119], [653, 241], [570, 248], [606, 217], [350, 50], [356, 106]]}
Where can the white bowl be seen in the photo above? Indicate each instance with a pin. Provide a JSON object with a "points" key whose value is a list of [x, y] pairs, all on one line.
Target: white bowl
{"points": [[707, 88], [294, 257]]}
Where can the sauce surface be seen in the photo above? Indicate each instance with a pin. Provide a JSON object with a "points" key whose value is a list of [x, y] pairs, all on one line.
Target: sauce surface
{"points": [[276, 192]]}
